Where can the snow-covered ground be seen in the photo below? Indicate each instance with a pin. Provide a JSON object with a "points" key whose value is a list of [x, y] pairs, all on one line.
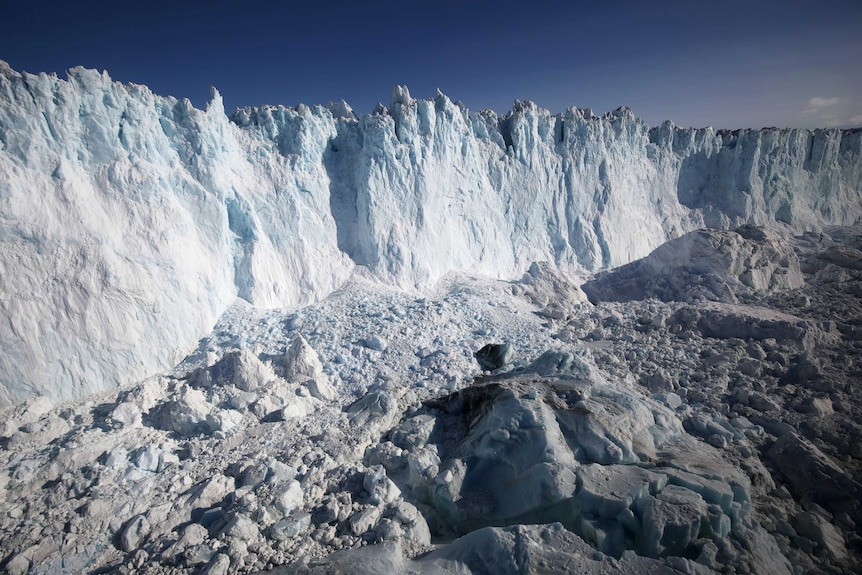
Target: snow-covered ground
{"points": [[697, 411]]}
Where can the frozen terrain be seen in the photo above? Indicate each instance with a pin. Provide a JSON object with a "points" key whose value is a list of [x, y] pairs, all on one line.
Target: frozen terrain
{"points": [[424, 340], [129, 222], [709, 422]]}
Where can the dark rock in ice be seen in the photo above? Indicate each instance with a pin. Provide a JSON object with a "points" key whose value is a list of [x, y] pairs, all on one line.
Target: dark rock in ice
{"points": [[494, 356]]}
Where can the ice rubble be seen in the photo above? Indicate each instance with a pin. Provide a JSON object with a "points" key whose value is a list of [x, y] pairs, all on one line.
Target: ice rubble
{"points": [[124, 211], [642, 442], [557, 443]]}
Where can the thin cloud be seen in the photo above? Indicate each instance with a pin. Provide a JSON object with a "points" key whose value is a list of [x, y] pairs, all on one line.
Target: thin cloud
{"points": [[817, 103], [855, 120]]}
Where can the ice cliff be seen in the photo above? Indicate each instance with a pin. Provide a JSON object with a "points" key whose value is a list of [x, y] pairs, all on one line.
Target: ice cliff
{"points": [[129, 221]]}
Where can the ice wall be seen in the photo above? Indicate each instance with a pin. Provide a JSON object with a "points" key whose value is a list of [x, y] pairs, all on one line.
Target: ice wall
{"points": [[129, 221]]}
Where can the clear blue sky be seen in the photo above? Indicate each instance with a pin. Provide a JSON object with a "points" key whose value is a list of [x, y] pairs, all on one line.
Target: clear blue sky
{"points": [[729, 63]]}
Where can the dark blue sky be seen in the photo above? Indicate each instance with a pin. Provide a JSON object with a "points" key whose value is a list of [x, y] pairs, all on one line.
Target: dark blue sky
{"points": [[727, 64]]}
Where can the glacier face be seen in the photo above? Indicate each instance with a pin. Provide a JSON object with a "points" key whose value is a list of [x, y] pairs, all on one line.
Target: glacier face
{"points": [[130, 221]]}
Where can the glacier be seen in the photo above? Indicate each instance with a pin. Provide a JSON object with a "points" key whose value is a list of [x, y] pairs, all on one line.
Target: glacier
{"points": [[129, 221]]}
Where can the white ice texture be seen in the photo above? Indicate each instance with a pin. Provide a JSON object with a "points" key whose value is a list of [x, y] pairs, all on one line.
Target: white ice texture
{"points": [[130, 221]]}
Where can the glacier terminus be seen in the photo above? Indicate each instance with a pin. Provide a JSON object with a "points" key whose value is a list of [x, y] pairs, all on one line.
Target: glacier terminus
{"points": [[124, 211], [422, 340]]}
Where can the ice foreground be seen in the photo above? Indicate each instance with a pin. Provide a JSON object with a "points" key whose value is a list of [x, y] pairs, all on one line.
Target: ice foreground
{"points": [[707, 419], [129, 222]]}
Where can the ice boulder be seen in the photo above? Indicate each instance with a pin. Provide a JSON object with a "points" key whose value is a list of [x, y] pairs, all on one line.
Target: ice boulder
{"points": [[302, 364], [381, 490], [211, 491], [134, 532], [376, 407], [552, 290], [240, 368], [288, 497], [127, 414], [725, 320], [187, 414]]}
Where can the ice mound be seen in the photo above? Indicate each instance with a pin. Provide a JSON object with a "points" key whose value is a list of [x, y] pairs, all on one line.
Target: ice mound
{"points": [[725, 321], [554, 291], [705, 264], [558, 443], [831, 250]]}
